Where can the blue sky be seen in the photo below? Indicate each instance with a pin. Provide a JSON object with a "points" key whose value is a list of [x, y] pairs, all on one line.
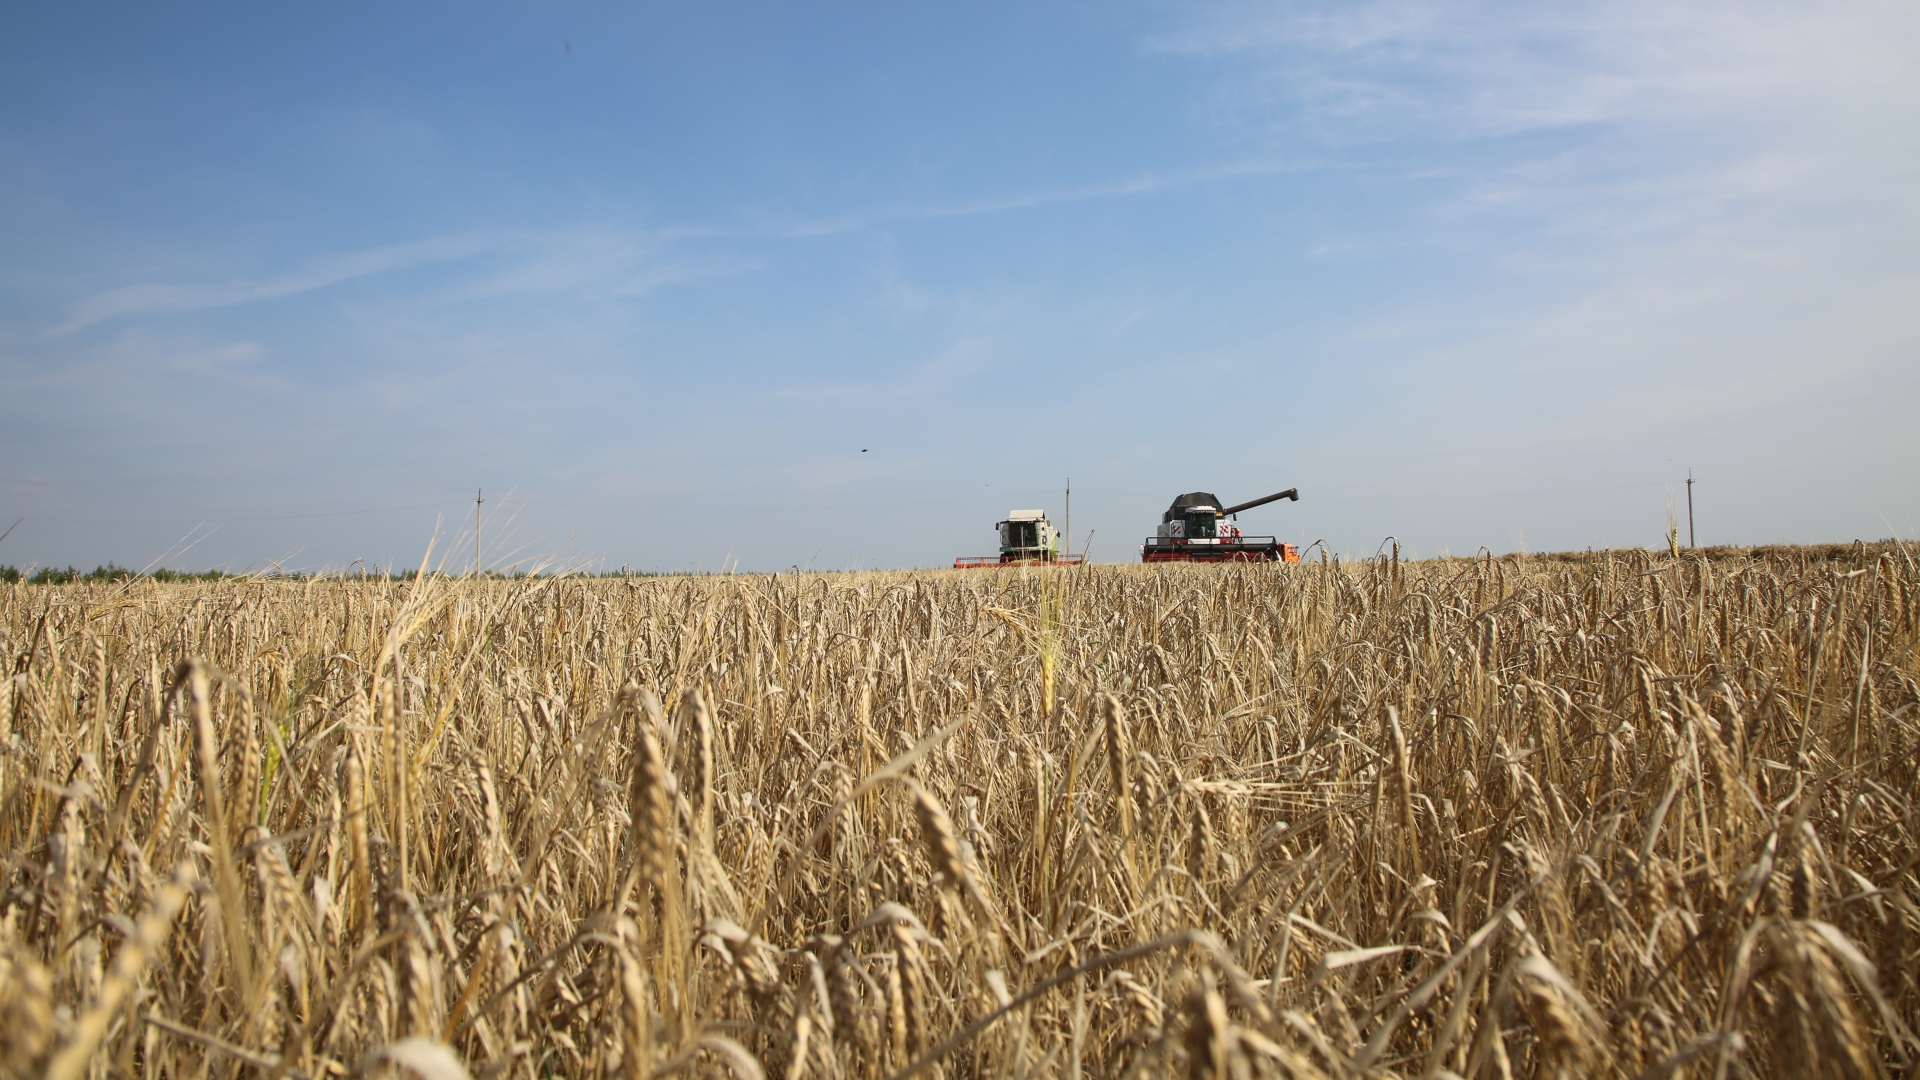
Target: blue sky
{"points": [[284, 285]]}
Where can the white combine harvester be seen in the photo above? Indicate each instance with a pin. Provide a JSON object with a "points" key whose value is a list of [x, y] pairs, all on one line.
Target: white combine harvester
{"points": [[1027, 538]]}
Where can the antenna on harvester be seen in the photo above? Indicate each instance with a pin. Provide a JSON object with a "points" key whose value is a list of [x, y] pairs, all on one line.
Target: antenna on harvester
{"points": [[477, 501], [1689, 508]]}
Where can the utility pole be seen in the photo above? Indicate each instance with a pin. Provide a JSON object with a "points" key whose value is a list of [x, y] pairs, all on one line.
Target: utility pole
{"points": [[477, 501], [1689, 508], [1069, 515]]}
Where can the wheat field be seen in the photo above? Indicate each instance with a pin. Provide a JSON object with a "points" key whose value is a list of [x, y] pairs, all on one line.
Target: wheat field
{"points": [[1608, 815]]}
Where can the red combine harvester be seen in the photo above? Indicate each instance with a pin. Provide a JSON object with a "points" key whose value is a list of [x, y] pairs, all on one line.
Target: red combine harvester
{"points": [[1027, 538], [1193, 530]]}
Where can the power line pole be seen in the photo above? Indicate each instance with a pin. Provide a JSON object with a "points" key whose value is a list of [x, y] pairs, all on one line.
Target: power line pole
{"points": [[1689, 508], [1069, 515], [477, 501]]}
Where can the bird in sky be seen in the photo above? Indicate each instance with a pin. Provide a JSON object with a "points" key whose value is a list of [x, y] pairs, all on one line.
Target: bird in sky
{"points": [[863, 449]]}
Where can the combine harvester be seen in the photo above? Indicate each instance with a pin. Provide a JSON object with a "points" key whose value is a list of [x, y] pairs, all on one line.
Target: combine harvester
{"points": [[1027, 538], [1191, 531]]}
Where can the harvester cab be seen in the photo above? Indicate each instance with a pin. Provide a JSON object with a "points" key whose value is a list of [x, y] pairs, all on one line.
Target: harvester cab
{"points": [[1193, 516], [1027, 534], [1026, 538], [1197, 528]]}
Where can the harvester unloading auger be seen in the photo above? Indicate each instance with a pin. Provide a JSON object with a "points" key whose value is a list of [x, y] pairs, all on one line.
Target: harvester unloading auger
{"points": [[1193, 530]]}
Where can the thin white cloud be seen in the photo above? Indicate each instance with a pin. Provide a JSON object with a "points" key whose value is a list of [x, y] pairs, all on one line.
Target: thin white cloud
{"points": [[319, 273], [602, 261], [591, 262], [1491, 68], [599, 262], [1763, 151], [1143, 184]]}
